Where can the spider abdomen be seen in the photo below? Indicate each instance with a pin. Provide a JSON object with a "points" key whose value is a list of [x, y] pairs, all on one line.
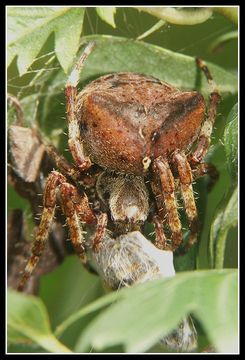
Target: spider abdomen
{"points": [[127, 117]]}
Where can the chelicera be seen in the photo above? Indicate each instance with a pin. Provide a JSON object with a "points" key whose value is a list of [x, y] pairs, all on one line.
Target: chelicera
{"points": [[147, 140]]}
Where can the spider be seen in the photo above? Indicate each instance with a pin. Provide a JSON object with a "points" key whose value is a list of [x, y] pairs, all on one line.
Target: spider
{"points": [[146, 140]]}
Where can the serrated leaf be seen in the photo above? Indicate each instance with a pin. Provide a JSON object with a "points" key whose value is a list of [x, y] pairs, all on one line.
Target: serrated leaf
{"points": [[67, 36], [29, 28], [28, 321], [224, 220], [142, 315], [231, 143], [107, 14]]}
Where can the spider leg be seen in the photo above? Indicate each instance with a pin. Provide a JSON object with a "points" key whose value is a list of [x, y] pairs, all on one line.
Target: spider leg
{"points": [[61, 163], [49, 202], [100, 232], [204, 138], [161, 240], [75, 141], [164, 172], [159, 219], [75, 207], [185, 175]]}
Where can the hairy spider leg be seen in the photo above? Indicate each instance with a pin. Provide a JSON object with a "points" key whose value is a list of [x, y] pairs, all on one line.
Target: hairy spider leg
{"points": [[61, 163], [76, 210], [185, 175], [204, 138], [75, 207], [161, 240], [101, 227], [159, 220], [49, 201], [164, 172], [75, 142]]}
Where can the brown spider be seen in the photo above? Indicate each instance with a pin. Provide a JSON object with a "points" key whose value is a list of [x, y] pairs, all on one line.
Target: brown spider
{"points": [[139, 132]]}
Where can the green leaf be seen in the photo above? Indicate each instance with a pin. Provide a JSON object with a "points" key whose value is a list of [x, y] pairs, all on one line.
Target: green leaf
{"points": [[94, 306], [25, 348], [224, 220], [67, 36], [107, 14], [140, 316], [114, 54], [29, 28], [54, 292], [28, 321], [180, 16], [231, 143], [227, 215]]}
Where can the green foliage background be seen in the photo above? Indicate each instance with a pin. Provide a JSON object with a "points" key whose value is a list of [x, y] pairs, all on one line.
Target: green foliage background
{"points": [[43, 43]]}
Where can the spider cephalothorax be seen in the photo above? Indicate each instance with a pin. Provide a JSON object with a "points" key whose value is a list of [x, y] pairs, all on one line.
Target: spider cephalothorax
{"points": [[147, 139], [127, 118]]}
